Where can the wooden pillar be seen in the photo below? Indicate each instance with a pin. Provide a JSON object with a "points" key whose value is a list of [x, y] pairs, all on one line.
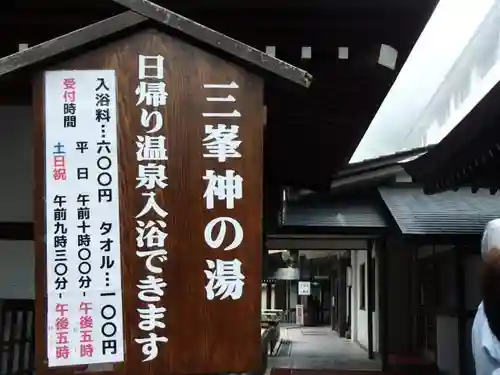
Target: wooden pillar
{"points": [[369, 308], [280, 295], [302, 266], [459, 254], [383, 288], [333, 283], [268, 295], [415, 295], [309, 305]]}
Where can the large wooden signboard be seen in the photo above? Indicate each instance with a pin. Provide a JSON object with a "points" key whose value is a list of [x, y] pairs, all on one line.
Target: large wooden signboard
{"points": [[189, 168]]}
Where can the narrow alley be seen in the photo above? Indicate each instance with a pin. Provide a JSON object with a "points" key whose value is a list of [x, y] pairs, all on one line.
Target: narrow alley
{"points": [[318, 348]]}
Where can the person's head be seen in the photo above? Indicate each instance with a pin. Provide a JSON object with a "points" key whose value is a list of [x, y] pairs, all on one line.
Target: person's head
{"points": [[490, 275]]}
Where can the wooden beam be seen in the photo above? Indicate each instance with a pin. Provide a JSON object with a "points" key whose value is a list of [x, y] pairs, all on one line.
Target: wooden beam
{"points": [[217, 40], [353, 22], [75, 39], [387, 5], [149, 10]]}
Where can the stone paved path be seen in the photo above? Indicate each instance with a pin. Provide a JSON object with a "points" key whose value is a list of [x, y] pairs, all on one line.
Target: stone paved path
{"points": [[320, 348]]}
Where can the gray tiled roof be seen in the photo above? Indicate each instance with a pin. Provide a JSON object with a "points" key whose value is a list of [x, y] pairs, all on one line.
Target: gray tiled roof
{"points": [[460, 212], [334, 214]]}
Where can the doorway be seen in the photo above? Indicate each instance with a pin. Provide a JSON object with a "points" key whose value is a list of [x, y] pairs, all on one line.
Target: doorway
{"points": [[326, 298]]}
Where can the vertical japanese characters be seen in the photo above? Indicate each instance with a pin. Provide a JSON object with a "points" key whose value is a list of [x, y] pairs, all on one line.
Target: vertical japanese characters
{"points": [[69, 96], [106, 190], [151, 222], [225, 278], [84, 305], [60, 275]]}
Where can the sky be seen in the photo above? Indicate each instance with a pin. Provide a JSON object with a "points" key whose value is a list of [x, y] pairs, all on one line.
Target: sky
{"points": [[447, 33]]}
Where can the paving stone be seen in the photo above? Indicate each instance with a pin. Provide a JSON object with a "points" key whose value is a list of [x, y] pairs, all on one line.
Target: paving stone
{"points": [[320, 348]]}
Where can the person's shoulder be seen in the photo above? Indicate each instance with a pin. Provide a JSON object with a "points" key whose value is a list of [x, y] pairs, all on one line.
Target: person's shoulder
{"points": [[485, 363], [479, 319]]}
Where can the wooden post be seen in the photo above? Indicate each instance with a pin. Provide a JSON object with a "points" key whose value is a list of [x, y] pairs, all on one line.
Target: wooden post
{"points": [[268, 295], [383, 302], [369, 307], [333, 280], [458, 257]]}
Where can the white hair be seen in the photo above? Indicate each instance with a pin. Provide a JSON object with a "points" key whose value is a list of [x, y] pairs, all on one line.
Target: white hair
{"points": [[491, 237]]}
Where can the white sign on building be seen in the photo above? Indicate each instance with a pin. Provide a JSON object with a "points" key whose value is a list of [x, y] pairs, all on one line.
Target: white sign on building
{"points": [[84, 286], [304, 288]]}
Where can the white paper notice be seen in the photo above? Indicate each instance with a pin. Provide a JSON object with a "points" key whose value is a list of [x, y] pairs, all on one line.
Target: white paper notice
{"points": [[84, 286]]}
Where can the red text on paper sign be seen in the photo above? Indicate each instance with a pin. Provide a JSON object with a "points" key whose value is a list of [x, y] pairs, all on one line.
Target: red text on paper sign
{"points": [[69, 94], [62, 331], [86, 326]]}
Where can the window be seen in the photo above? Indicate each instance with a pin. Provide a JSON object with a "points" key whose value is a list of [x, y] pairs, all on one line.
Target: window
{"points": [[362, 286]]}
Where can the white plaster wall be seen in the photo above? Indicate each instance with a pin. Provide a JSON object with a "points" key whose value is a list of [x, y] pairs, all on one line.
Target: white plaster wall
{"points": [[447, 344], [359, 322], [16, 200], [263, 296], [273, 296], [361, 327]]}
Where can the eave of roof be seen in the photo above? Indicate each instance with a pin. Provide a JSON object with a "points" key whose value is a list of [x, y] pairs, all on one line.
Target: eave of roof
{"points": [[382, 161], [448, 213], [458, 158], [144, 10], [374, 171]]}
